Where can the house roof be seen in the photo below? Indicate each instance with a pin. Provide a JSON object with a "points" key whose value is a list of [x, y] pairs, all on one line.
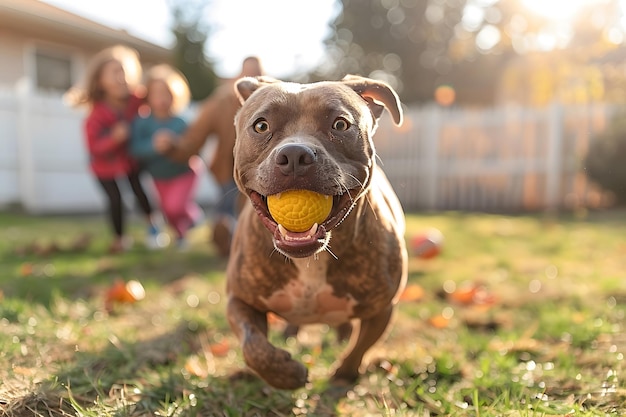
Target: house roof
{"points": [[42, 20]]}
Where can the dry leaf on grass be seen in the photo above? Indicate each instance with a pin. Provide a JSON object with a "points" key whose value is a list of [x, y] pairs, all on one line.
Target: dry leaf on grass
{"points": [[426, 245], [474, 294], [220, 348], [439, 321], [412, 293], [124, 292]]}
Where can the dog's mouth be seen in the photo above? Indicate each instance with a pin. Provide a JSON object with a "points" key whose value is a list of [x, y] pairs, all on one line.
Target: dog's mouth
{"points": [[312, 241]]}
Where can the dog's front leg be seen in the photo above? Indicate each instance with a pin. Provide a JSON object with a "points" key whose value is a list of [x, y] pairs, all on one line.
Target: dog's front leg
{"points": [[274, 365], [370, 331]]}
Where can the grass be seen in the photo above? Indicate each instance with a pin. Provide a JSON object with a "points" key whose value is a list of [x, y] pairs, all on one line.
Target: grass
{"points": [[541, 335]]}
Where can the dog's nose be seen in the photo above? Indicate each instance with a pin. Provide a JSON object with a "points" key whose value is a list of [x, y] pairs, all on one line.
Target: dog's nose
{"points": [[295, 159]]}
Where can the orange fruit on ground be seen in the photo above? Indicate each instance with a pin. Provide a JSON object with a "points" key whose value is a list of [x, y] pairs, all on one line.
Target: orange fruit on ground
{"points": [[299, 210]]}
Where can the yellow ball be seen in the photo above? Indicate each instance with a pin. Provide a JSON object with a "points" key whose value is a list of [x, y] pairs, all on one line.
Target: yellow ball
{"points": [[298, 210]]}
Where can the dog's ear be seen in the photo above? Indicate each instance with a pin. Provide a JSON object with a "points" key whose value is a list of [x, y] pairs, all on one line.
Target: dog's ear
{"points": [[376, 92], [244, 87]]}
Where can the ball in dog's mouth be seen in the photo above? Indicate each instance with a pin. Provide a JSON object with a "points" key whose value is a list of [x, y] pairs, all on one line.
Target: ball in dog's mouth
{"points": [[299, 210], [307, 242]]}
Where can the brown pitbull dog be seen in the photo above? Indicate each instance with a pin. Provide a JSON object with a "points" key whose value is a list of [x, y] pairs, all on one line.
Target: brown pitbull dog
{"points": [[353, 265]]}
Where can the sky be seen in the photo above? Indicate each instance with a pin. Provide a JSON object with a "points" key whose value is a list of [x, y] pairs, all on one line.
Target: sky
{"points": [[286, 34]]}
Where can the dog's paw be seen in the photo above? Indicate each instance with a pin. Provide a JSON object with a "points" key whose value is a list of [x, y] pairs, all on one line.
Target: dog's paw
{"points": [[275, 366], [288, 375], [343, 378]]}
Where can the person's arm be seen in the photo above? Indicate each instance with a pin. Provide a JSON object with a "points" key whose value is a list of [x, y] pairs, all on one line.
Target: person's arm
{"points": [[191, 141], [101, 138]]}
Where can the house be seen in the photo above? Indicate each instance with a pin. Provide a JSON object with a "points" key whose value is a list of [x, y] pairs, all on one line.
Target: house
{"points": [[50, 46], [43, 51]]}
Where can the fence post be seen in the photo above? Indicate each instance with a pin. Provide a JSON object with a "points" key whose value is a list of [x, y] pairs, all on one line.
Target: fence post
{"points": [[554, 157], [432, 131]]}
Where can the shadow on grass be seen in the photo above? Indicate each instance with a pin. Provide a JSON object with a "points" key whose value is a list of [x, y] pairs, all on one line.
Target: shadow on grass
{"points": [[156, 376]]}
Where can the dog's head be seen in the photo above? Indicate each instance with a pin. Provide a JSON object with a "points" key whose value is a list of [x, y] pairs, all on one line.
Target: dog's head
{"points": [[314, 137]]}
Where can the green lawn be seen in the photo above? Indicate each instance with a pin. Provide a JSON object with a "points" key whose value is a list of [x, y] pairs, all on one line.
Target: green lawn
{"points": [[542, 334]]}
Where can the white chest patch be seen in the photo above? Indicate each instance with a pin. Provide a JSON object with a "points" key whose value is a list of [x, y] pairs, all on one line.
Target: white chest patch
{"points": [[309, 298]]}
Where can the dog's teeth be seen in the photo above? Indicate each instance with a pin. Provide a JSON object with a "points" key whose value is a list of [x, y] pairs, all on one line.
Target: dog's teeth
{"points": [[298, 236]]}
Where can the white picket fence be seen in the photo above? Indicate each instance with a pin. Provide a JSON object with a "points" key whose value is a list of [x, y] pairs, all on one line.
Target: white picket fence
{"points": [[503, 159]]}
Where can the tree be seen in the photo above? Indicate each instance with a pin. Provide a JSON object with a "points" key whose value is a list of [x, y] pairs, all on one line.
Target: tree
{"points": [[418, 45], [410, 44], [189, 52]]}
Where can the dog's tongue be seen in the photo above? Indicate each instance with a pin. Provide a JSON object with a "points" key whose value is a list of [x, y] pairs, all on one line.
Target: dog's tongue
{"points": [[298, 236]]}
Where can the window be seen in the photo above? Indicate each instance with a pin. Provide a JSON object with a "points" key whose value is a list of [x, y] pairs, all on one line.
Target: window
{"points": [[53, 71]]}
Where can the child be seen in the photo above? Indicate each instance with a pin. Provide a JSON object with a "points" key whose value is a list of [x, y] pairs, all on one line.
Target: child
{"points": [[114, 105], [175, 182], [215, 119]]}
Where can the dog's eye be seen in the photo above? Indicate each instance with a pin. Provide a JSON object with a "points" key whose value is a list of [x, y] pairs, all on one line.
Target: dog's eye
{"points": [[341, 124], [261, 126]]}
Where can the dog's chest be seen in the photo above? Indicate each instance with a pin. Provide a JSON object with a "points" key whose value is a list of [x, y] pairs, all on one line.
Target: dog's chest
{"points": [[309, 298]]}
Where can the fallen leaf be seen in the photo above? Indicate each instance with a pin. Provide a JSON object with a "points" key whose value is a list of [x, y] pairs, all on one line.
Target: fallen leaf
{"points": [[484, 297], [463, 295], [412, 293], [117, 292], [26, 269], [475, 294], [439, 321], [426, 245], [124, 292], [220, 348]]}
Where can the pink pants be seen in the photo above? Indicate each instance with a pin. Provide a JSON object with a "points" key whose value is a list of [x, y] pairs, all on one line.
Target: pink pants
{"points": [[177, 196]]}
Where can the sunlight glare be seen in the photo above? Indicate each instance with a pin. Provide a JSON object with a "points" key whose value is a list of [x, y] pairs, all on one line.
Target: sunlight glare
{"points": [[556, 9]]}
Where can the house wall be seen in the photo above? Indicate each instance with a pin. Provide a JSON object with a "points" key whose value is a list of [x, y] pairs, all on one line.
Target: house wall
{"points": [[12, 57], [17, 54]]}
